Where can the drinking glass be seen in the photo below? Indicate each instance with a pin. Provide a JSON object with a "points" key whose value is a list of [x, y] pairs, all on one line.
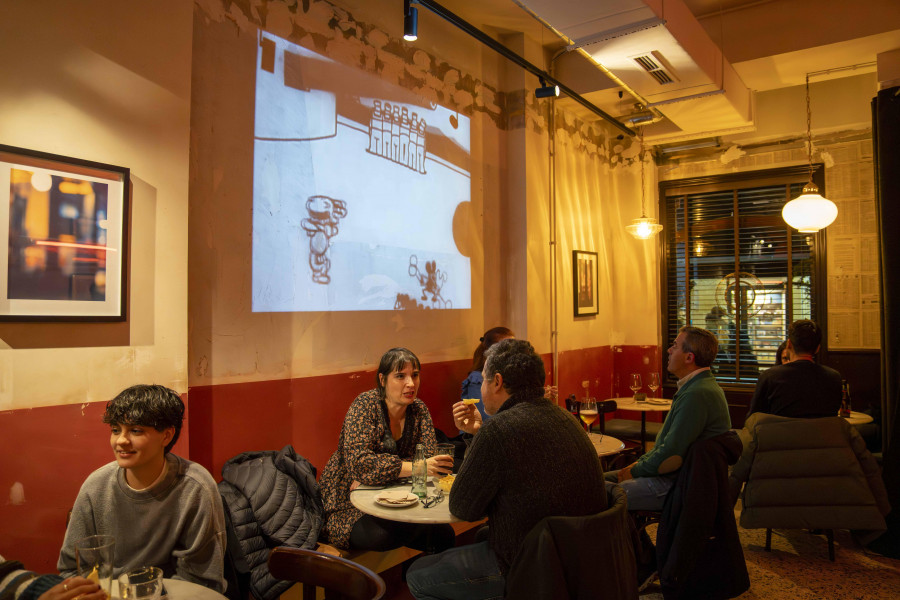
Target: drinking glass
{"points": [[588, 412], [654, 383], [635, 384], [94, 557], [445, 449], [144, 583]]}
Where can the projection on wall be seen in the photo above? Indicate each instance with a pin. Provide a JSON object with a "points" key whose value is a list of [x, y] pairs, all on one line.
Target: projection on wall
{"points": [[356, 183]]}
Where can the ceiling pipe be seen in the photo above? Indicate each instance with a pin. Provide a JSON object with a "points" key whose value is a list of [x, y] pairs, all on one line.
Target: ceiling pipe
{"points": [[499, 48]]}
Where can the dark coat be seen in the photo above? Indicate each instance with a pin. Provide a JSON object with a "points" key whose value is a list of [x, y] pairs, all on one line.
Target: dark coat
{"points": [[698, 551], [272, 500], [577, 557]]}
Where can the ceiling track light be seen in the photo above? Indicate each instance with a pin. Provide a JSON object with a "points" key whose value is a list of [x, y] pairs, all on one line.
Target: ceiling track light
{"points": [[410, 21], [546, 91]]}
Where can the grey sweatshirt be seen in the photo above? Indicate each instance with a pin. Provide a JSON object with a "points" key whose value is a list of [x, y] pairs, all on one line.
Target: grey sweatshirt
{"points": [[178, 524]]}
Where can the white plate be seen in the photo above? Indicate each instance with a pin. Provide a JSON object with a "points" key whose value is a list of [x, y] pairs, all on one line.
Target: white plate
{"points": [[396, 499]]}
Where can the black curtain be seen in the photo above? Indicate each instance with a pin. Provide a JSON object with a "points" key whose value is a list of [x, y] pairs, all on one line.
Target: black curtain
{"points": [[886, 140]]}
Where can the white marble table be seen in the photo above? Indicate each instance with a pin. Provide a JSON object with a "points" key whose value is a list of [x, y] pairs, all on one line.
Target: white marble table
{"points": [[858, 418], [606, 445], [649, 405], [178, 589], [364, 496]]}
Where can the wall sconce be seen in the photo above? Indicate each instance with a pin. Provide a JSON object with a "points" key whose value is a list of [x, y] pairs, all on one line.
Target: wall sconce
{"points": [[410, 21], [546, 91]]}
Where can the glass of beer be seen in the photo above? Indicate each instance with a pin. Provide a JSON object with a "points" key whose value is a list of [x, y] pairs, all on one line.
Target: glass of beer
{"points": [[588, 413]]}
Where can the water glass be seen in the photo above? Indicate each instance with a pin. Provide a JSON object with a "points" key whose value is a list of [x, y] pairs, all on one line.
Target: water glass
{"points": [[94, 557], [144, 583], [445, 450]]}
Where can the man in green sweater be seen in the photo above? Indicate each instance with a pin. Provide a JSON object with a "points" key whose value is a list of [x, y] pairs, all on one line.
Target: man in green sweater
{"points": [[699, 411], [164, 511]]}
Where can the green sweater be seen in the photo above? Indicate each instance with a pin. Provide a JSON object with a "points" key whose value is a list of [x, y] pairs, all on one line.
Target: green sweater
{"points": [[699, 411]]}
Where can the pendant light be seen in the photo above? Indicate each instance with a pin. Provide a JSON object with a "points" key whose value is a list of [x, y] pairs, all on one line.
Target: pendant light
{"points": [[645, 227], [809, 212]]}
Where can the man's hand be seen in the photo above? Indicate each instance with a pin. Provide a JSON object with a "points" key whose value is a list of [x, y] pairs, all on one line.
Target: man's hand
{"points": [[466, 417], [625, 473], [74, 587]]}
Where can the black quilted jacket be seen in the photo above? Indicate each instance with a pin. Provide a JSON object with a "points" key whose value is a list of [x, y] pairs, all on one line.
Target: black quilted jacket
{"points": [[272, 499]]}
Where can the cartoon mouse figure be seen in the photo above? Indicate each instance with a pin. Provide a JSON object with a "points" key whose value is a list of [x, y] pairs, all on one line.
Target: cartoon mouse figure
{"points": [[432, 280], [320, 227]]}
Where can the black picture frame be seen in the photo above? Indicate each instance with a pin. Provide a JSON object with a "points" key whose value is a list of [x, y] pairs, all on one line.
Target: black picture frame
{"points": [[66, 224], [585, 270]]}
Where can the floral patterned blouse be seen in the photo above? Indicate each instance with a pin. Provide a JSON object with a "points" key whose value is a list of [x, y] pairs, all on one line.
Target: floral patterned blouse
{"points": [[369, 454]]}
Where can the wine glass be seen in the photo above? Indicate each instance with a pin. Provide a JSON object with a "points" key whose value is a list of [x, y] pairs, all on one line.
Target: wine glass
{"points": [[635, 384], [588, 413], [654, 383]]}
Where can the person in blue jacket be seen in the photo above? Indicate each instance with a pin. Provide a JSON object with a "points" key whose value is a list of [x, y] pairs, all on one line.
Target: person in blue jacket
{"points": [[471, 386]]}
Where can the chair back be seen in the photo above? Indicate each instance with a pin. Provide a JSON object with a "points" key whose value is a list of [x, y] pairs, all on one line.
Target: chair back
{"points": [[578, 557], [603, 407], [341, 579]]}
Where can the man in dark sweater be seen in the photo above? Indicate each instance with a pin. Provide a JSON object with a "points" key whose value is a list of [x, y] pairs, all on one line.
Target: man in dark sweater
{"points": [[531, 460], [800, 388]]}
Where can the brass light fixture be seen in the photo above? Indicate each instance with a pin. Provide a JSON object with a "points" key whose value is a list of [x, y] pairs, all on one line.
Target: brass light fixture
{"points": [[645, 227], [809, 212]]}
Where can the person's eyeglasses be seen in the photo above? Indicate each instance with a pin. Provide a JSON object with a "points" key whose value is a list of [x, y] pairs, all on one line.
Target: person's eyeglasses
{"points": [[433, 500]]}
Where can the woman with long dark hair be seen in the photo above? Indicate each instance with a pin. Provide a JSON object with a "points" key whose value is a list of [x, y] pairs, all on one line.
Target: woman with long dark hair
{"points": [[376, 447]]}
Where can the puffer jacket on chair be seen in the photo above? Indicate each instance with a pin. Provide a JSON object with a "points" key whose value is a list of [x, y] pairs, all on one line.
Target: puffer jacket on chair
{"points": [[809, 474], [273, 500]]}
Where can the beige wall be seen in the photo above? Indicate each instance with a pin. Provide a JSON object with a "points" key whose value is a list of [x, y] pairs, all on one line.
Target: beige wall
{"points": [[106, 81]]}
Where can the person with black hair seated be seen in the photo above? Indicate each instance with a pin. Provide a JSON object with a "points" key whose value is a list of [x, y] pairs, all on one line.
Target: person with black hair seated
{"points": [[800, 388], [164, 511]]}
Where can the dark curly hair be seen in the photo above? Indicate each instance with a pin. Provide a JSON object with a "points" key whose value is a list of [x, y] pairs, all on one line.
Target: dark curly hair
{"points": [[520, 366], [153, 406]]}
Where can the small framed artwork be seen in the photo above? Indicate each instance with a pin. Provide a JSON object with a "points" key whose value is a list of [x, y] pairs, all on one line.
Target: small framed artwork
{"points": [[66, 224], [584, 283]]}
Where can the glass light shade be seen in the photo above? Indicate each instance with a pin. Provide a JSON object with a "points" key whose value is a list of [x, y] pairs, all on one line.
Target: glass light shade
{"points": [[809, 212], [644, 228]]}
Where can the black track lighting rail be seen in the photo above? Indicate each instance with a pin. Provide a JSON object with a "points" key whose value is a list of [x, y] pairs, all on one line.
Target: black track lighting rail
{"points": [[496, 46]]}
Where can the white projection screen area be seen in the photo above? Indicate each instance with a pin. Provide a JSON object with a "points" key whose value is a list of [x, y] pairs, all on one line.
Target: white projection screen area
{"points": [[356, 183]]}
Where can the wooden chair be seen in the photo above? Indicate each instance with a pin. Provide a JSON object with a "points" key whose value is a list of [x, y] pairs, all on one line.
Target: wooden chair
{"points": [[603, 407], [341, 579]]}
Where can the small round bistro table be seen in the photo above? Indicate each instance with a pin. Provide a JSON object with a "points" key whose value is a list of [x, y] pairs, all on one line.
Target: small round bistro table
{"points": [[858, 418], [606, 445], [364, 496], [649, 405]]}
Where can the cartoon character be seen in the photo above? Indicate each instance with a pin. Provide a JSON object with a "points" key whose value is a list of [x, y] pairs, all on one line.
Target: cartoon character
{"points": [[432, 281], [320, 227]]}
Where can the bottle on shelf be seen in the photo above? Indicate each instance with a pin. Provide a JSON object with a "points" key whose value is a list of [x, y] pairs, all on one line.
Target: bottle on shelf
{"points": [[845, 399], [419, 472]]}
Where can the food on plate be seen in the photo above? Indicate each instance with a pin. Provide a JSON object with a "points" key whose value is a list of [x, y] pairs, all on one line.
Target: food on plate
{"points": [[470, 401]]}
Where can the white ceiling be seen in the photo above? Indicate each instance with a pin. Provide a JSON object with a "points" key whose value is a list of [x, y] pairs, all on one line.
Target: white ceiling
{"points": [[759, 45]]}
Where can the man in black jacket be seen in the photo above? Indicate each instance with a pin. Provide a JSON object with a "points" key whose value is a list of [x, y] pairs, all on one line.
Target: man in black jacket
{"points": [[800, 388], [531, 460]]}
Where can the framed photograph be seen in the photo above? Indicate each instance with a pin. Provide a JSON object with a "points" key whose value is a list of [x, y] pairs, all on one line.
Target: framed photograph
{"points": [[584, 283], [66, 224]]}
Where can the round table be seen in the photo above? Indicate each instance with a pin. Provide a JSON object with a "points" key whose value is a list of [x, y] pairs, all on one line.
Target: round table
{"points": [[363, 498], [606, 444], [858, 418], [649, 405], [178, 589]]}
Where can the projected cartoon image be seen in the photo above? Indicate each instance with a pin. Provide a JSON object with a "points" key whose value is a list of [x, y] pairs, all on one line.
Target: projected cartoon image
{"points": [[321, 226], [397, 135], [431, 281], [324, 131]]}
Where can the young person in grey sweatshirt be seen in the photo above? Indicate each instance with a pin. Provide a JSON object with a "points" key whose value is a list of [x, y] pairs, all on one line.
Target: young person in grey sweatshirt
{"points": [[163, 510]]}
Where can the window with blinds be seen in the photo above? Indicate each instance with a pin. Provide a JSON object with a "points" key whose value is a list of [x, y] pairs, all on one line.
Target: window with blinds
{"points": [[733, 266]]}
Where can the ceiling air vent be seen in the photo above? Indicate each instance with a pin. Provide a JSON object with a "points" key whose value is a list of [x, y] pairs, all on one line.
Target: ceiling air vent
{"points": [[656, 66]]}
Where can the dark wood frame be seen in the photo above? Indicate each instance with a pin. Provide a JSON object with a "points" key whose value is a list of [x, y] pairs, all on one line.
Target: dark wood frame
{"points": [[581, 311], [77, 167]]}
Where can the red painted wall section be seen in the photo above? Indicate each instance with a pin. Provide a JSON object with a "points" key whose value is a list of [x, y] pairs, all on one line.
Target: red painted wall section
{"points": [[50, 451]]}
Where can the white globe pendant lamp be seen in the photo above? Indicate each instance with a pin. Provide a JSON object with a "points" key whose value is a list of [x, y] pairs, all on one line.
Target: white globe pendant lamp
{"points": [[810, 211], [645, 227]]}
